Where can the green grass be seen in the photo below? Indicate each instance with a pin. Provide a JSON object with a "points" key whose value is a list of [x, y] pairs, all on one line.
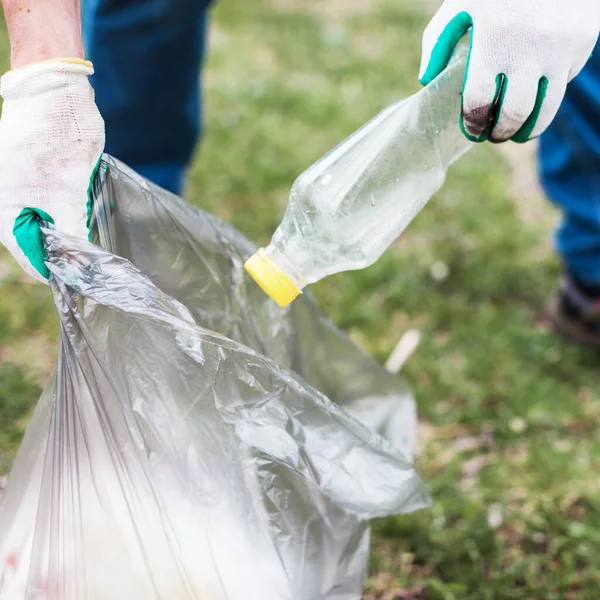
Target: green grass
{"points": [[509, 410]]}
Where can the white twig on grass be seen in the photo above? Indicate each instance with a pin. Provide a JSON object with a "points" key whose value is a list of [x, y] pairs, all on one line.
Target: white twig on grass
{"points": [[403, 351]]}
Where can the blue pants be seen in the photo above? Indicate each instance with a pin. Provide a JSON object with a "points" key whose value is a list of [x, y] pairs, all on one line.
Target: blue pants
{"points": [[569, 162], [147, 56]]}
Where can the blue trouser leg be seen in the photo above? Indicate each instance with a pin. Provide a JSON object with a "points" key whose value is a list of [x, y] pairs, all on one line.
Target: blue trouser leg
{"points": [[147, 56], [569, 161]]}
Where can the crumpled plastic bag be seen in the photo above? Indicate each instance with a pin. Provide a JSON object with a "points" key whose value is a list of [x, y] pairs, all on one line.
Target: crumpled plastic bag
{"points": [[167, 461]]}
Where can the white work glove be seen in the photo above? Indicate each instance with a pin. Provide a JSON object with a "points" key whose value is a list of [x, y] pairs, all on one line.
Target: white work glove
{"points": [[51, 140], [523, 54]]}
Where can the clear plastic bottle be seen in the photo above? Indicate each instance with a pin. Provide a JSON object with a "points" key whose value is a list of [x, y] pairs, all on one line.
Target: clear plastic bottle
{"points": [[351, 205]]}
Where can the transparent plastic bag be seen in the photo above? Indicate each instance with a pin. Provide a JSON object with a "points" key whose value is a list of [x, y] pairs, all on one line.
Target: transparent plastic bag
{"points": [[167, 461]]}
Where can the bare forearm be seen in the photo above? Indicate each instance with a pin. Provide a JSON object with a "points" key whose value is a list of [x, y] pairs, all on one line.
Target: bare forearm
{"points": [[43, 29]]}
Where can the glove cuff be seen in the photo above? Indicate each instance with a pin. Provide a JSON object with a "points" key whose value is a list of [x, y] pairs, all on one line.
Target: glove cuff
{"points": [[69, 60], [37, 76]]}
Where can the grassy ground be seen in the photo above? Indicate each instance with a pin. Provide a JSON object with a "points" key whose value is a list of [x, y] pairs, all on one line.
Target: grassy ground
{"points": [[509, 411]]}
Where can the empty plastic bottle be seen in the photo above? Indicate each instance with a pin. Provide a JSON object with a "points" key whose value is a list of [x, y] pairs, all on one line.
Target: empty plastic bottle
{"points": [[351, 205]]}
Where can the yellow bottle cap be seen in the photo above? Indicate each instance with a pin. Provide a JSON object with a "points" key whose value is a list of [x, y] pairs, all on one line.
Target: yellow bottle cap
{"points": [[274, 282]]}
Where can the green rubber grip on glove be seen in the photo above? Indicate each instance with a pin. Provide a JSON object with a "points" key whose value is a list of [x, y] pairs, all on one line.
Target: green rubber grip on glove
{"points": [[29, 236], [31, 239], [440, 57]]}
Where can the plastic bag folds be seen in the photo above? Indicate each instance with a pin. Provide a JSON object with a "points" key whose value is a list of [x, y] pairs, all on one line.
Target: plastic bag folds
{"points": [[196, 442]]}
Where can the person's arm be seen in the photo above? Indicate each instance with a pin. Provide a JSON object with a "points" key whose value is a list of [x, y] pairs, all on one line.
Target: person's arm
{"points": [[51, 133], [43, 30]]}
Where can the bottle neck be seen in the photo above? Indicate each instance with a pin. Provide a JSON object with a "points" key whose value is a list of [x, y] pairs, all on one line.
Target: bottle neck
{"points": [[287, 266]]}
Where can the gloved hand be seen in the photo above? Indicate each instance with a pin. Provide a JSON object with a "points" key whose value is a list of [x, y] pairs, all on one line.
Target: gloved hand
{"points": [[523, 54], [51, 140]]}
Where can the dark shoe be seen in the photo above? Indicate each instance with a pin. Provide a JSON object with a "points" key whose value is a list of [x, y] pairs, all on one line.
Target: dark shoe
{"points": [[575, 313]]}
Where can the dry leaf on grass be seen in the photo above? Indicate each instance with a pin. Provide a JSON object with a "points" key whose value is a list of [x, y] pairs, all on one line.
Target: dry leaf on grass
{"points": [[413, 593], [471, 468]]}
